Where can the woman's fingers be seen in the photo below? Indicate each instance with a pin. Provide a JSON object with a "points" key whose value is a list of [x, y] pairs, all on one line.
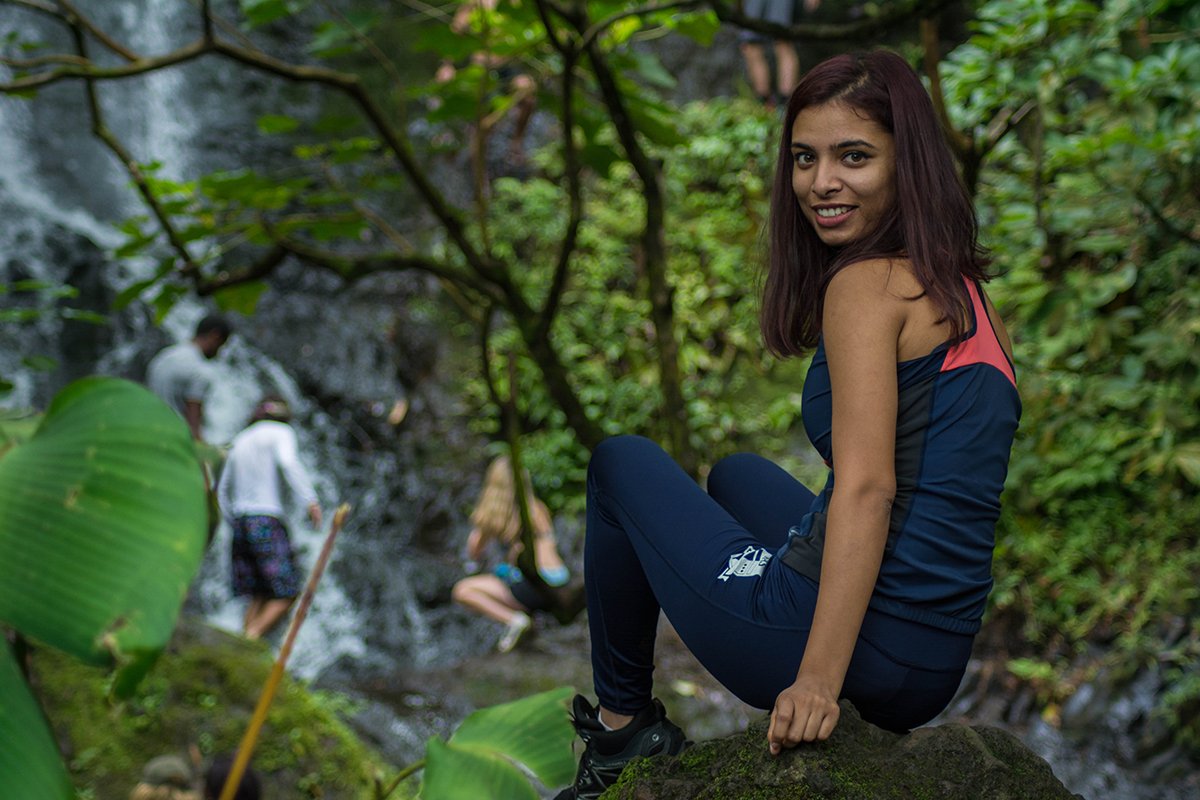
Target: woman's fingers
{"points": [[781, 722], [808, 719], [831, 721], [821, 723]]}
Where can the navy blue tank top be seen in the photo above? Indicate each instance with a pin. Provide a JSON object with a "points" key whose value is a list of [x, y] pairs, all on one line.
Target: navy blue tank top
{"points": [[957, 415]]}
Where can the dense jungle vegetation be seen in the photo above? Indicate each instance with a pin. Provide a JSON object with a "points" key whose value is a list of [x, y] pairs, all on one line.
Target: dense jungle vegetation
{"points": [[611, 285]]}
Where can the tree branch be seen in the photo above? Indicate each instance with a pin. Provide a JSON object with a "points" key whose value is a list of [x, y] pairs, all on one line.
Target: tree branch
{"points": [[188, 266], [92, 72], [1159, 216], [206, 20], [543, 9], [1002, 123], [891, 15], [962, 144], [350, 85], [343, 82], [486, 276], [43, 61], [75, 18], [257, 270], [485, 365], [654, 251], [600, 27], [35, 5], [571, 170], [357, 267]]}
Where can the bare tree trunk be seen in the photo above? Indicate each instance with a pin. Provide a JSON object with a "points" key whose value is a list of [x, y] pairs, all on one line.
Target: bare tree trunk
{"points": [[654, 251]]}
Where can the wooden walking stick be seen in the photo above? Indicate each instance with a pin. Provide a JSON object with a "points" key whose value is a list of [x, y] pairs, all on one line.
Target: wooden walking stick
{"points": [[250, 738]]}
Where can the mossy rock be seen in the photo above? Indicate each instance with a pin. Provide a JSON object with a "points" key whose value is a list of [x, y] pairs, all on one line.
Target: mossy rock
{"points": [[200, 696], [859, 762]]}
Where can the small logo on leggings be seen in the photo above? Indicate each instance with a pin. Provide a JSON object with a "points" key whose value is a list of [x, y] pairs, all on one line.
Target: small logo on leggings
{"points": [[746, 564]]}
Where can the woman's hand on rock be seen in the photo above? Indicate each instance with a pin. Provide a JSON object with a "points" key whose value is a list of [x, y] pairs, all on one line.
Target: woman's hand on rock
{"points": [[806, 711]]}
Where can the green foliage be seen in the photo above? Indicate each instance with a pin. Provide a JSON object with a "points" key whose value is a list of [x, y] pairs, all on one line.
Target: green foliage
{"points": [[203, 692], [478, 759], [263, 12], [716, 183], [27, 301], [241, 297], [28, 760], [1092, 211], [102, 525], [110, 473]]}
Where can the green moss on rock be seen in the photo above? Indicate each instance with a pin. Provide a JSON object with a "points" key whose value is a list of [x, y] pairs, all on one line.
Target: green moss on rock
{"points": [[859, 762], [201, 694]]}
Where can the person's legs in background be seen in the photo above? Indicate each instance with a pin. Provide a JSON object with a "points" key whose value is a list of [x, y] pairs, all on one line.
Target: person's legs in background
{"points": [[265, 564], [787, 71], [493, 598], [754, 47], [524, 89], [758, 71], [270, 610]]}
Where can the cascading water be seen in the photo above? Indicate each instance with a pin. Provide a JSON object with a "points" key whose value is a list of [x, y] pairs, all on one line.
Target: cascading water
{"points": [[324, 348]]}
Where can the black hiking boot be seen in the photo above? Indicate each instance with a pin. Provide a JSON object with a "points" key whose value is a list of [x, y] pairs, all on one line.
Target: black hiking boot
{"points": [[606, 753]]}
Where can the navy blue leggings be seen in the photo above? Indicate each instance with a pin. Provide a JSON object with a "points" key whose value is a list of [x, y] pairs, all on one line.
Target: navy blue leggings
{"points": [[656, 540]]}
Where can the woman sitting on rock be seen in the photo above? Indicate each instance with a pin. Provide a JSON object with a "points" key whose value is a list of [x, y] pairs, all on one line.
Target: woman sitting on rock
{"points": [[503, 594], [873, 589]]}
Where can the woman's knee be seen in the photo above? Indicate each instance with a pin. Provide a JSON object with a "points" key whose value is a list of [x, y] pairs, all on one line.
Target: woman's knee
{"points": [[463, 590], [616, 451], [730, 473]]}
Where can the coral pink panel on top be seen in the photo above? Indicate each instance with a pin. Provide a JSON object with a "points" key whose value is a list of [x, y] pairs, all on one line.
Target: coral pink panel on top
{"points": [[983, 347]]}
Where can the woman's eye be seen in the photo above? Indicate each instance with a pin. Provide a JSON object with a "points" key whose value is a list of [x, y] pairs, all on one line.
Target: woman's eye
{"points": [[855, 157], [803, 159]]}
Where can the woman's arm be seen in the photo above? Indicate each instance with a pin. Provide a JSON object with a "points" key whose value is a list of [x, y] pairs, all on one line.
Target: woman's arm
{"points": [[861, 326], [475, 544], [545, 546]]}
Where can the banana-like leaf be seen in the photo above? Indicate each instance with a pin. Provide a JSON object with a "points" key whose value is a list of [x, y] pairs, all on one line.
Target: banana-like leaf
{"points": [[454, 773], [102, 525], [29, 761], [533, 731]]}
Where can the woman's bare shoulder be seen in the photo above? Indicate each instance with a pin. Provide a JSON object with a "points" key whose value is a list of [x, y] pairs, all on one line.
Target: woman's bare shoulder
{"points": [[874, 285]]}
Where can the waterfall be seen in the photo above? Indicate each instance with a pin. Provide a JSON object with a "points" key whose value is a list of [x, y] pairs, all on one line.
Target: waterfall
{"points": [[325, 348]]}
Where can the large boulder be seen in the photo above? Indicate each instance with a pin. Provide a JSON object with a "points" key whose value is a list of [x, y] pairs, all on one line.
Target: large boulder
{"points": [[858, 762]]}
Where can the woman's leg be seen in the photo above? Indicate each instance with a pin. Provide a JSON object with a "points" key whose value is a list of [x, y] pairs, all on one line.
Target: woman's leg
{"points": [[760, 495], [486, 595], [655, 540]]}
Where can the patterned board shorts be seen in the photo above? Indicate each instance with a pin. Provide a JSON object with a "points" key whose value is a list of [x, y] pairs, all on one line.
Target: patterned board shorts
{"points": [[263, 564]]}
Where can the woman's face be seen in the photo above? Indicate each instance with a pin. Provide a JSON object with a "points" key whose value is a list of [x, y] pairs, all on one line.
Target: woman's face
{"points": [[843, 171]]}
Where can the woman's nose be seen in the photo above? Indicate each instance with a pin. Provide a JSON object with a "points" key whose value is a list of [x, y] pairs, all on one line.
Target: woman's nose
{"points": [[827, 180]]}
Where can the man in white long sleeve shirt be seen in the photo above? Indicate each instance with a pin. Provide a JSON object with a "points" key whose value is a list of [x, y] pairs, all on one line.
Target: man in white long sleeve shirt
{"points": [[261, 458]]}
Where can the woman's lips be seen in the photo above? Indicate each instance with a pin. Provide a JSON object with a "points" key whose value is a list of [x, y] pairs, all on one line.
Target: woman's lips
{"points": [[832, 216]]}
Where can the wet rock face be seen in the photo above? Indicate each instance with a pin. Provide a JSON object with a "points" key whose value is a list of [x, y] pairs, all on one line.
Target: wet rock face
{"points": [[859, 762]]}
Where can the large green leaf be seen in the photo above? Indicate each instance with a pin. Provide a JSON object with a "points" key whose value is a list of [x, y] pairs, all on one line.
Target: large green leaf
{"points": [[102, 525], [453, 773], [29, 761], [478, 760]]}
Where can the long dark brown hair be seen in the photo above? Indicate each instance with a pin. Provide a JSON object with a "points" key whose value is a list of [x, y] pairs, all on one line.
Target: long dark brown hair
{"points": [[932, 224]]}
